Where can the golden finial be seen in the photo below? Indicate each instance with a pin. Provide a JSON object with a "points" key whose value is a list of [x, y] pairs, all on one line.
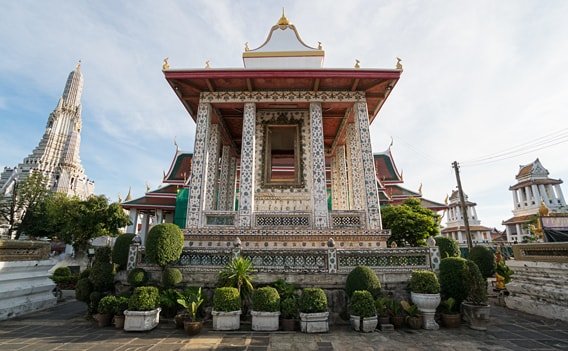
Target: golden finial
{"points": [[176, 144], [402, 174], [357, 64], [283, 21], [398, 64], [320, 47], [446, 199], [119, 198], [420, 189], [543, 210], [247, 46], [207, 64], [165, 65]]}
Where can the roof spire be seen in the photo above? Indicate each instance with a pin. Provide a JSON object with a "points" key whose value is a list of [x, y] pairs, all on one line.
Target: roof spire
{"points": [[129, 195], [283, 21]]}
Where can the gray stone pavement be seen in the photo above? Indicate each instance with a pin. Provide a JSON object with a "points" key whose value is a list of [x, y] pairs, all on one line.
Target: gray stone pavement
{"points": [[65, 327]]}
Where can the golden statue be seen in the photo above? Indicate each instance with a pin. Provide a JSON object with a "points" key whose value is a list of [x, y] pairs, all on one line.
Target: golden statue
{"points": [[165, 65], [398, 64], [247, 46], [357, 64], [543, 210]]}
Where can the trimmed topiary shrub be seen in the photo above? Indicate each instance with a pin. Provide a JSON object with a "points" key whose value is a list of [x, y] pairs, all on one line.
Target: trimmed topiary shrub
{"points": [[144, 298], [83, 290], [485, 260], [102, 276], [164, 244], [94, 299], [448, 247], [62, 272], [107, 305], [121, 249], [312, 300], [137, 277], [85, 274], [121, 305], [226, 299], [362, 304], [363, 278], [476, 284], [424, 282], [171, 277], [102, 254], [266, 299], [289, 307], [452, 277]]}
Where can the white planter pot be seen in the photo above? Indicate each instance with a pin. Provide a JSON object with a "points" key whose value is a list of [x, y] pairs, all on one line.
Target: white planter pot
{"points": [[141, 320], [314, 322], [264, 321], [226, 320], [369, 323], [427, 304]]}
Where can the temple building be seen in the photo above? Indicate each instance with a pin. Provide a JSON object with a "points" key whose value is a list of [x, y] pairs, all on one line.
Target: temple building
{"points": [[57, 154], [533, 189], [455, 225]]}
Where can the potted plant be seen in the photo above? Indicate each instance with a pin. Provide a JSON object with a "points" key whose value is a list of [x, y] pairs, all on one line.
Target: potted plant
{"points": [[143, 312], [120, 307], [265, 309], [363, 313], [169, 303], [425, 294], [313, 311], [475, 307], [226, 309], [382, 310], [105, 310], [395, 312], [451, 317], [191, 303], [413, 317], [289, 310]]}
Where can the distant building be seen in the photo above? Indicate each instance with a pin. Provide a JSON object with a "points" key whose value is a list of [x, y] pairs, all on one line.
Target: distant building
{"points": [[533, 188], [455, 225]]}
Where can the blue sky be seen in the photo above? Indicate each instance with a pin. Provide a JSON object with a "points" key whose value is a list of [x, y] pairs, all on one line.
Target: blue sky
{"points": [[479, 77]]}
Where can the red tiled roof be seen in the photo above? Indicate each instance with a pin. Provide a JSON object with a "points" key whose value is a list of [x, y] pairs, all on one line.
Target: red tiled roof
{"points": [[519, 219]]}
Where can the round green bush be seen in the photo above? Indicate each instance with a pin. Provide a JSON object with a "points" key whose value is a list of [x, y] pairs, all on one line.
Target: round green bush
{"points": [[62, 272], [363, 278], [289, 307], [226, 299], [424, 282], [137, 277], [452, 278], [171, 277], [476, 284], [266, 299], [313, 300], [121, 305], [94, 300], [362, 304], [485, 260], [448, 247], [164, 244], [107, 305], [85, 274], [121, 249], [144, 298], [102, 254], [83, 290], [102, 276]]}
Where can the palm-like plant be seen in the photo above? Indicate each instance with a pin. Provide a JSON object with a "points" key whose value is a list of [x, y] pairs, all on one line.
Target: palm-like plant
{"points": [[238, 274], [191, 303]]}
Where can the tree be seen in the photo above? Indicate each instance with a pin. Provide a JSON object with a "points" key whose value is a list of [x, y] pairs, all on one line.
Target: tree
{"points": [[25, 196], [410, 223]]}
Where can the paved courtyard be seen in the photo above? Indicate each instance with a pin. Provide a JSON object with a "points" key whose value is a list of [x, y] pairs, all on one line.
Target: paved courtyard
{"points": [[64, 327]]}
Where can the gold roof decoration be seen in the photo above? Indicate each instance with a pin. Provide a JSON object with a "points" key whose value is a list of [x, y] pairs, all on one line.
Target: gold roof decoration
{"points": [[129, 195], [283, 21], [357, 64], [398, 63], [543, 210], [165, 65]]}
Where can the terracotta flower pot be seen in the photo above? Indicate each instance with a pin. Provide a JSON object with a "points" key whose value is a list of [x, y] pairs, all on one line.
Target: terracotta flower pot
{"points": [[414, 322], [192, 328], [288, 324], [397, 321], [451, 320], [103, 320], [179, 319], [118, 321]]}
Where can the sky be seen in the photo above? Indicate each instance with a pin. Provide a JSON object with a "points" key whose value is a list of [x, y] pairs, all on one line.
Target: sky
{"points": [[480, 78]]}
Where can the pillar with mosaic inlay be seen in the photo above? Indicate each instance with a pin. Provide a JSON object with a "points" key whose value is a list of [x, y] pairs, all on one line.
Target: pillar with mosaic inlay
{"points": [[340, 200], [355, 170], [319, 189], [231, 185], [223, 175], [212, 168], [247, 181]]}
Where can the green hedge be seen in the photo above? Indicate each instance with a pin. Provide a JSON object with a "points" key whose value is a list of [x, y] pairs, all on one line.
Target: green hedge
{"points": [[313, 300], [363, 278], [485, 260], [476, 284], [164, 244], [226, 299], [424, 282], [289, 307], [171, 277], [102, 276], [362, 304], [121, 249], [266, 299], [137, 277], [453, 273], [102, 254], [83, 290], [144, 298], [107, 305], [62, 272], [448, 247]]}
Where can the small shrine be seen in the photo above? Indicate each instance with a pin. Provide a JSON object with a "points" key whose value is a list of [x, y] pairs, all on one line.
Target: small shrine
{"points": [[455, 225]]}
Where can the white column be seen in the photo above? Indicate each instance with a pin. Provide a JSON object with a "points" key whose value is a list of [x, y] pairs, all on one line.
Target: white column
{"points": [[354, 169], [536, 194], [144, 229], [340, 187], [133, 214], [198, 166], [560, 195], [544, 194], [223, 177], [319, 191], [247, 181], [231, 184], [159, 216], [212, 168], [515, 199], [550, 192]]}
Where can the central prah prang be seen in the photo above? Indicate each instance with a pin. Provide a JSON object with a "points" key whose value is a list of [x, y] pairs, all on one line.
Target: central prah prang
{"points": [[282, 167]]}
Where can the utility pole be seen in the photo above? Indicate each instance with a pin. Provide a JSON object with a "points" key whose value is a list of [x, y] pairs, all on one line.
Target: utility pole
{"points": [[463, 206]]}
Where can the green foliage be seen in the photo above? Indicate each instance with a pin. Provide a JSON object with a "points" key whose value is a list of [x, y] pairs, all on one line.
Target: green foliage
{"points": [[63, 271], [362, 278], [93, 305], [85, 274], [452, 278], [449, 306], [226, 299], [362, 304], [191, 301], [83, 290], [102, 254], [381, 306], [144, 298], [138, 277], [289, 307], [64, 279], [410, 223], [238, 274], [312, 300], [448, 247], [121, 305], [393, 307], [503, 270], [410, 309], [107, 305], [121, 249], [171, 277], [285, 289], [102, 276], [485, 260], [168, 302], [476, 284], [266, 299], [164, 244], [424, 282]]}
